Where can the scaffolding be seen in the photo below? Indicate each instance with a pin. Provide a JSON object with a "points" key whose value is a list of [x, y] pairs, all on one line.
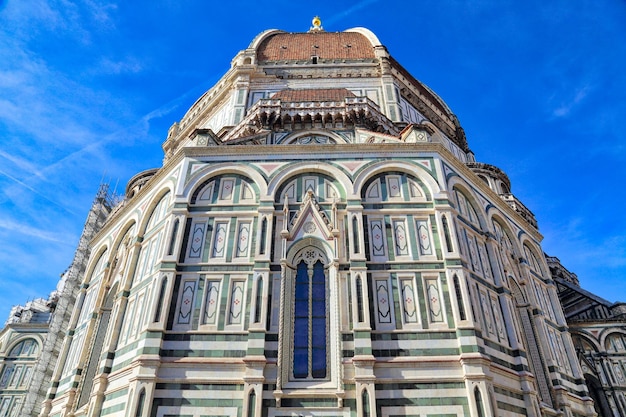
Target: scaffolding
{"points": [[62, 301]]}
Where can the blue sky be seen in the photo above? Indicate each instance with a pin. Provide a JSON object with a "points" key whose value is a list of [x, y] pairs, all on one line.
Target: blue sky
{"points": [[89, 88]]}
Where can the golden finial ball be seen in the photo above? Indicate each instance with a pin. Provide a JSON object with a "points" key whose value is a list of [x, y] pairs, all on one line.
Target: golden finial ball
{"points": [[317, 22]]}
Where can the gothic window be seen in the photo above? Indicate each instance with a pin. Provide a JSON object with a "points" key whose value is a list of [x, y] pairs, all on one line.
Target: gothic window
{"points": [[446, 233], [258, 304], [140, 403], [19, 364], [97, 344], [262, 243], [4, 405], [466, 209], [355, 234], [615, 343], [159, 212], [533, 262], [87, 307], [153, 241], [365, 403], [459, 298], [309, 335], [479, 402], [160, 300], [251, 403], [170, 250], [359, 299]]}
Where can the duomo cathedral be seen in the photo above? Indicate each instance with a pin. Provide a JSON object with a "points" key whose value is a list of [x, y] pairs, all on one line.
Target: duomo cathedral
{"points": [[319, 241]]}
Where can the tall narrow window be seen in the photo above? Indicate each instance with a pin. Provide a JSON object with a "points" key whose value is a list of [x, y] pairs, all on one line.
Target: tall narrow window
{"points": [[479, 402], [170, 249], [157, 313], [259, 300], [309, 354], [355, 234], [359, 299], [365, 403], [446, 233], [263, 236], [251, 403], [140, 401], [459, 298]]}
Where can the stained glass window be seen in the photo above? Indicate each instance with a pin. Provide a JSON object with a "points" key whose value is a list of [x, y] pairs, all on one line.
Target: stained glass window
{"points": [[309, 334]]}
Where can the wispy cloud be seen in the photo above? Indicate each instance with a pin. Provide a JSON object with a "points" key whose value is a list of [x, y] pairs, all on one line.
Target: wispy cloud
{"points": [[22, 164], [343, 14], [28, 230], [566, 107]]}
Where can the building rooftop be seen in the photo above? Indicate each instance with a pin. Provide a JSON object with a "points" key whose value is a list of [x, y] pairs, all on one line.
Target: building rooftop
{"points": [[327, 94], [325, 45]]}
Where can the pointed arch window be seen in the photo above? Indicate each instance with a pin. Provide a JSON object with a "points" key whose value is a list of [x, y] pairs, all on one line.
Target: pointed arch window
{"points": [[479, 402], [259, 300], [359, 299], [140, 403], [355, 234], [365, 403], [459, 298], [160, 299], [263, 236], [251, 403], [309, 334], [446, 233]]}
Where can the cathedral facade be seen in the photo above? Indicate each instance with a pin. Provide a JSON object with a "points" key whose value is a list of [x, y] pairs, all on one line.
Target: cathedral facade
{"points": [[320, 241]]}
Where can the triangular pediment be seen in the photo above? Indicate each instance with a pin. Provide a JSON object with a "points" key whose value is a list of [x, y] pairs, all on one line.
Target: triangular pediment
{"points": [[310, 221]]}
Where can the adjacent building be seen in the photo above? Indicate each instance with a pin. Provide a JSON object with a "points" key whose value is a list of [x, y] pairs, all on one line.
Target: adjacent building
{"points": [[598, 329]]}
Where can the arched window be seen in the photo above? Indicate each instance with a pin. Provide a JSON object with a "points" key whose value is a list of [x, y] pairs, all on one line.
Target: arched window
{"points": [[104, 314], [365, 403], [140, 403], [259, 300], [459, 298], [161, 295], [263, 236], [309, 325], [355, 234], [170, 250], [479, 402], [359, 299], [251, 403], [18, 365], [466, 208], [446, 233], [153, 243], [25, 348], [87, 308]]}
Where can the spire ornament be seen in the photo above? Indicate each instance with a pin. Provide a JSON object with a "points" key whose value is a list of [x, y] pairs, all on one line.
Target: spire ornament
{"points": [[317, 25]]}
